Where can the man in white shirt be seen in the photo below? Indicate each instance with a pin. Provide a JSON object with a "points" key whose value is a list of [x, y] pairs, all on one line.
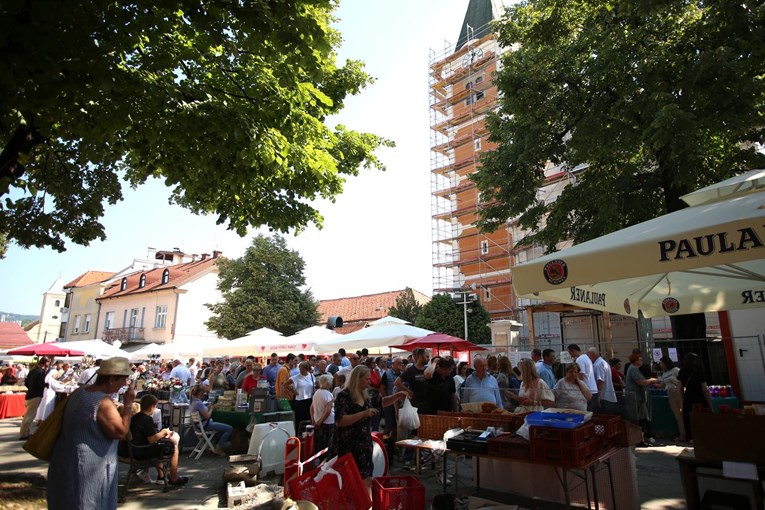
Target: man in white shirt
{"points": [[193, 369], [587, 373], [180, 371], [88, 376], [602, 371]]}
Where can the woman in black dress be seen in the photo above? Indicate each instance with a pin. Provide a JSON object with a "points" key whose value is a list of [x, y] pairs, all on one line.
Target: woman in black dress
{"points": [[695, 389], [353, 411]]}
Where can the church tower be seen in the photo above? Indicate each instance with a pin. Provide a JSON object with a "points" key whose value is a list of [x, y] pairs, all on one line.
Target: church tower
{"points": [[462, 92]]}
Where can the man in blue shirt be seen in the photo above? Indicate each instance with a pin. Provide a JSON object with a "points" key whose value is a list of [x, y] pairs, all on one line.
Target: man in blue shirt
{"points": [[544, 367], [270, 372], [344, 361], [481, 386]]}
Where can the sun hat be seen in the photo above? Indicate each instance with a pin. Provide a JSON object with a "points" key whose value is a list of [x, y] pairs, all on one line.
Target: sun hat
{"points": [[115, 366]]}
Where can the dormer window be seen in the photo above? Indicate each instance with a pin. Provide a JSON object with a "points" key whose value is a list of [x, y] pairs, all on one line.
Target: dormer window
{"points": [[123, 285], [142, 281], [165, 276]]}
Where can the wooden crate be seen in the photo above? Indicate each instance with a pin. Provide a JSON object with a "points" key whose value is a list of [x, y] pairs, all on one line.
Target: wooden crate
{"points": [[510, 446], [434, 426]]}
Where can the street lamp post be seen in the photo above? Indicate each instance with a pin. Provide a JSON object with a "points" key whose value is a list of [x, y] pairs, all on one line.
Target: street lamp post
{"points": [[466, 298]]}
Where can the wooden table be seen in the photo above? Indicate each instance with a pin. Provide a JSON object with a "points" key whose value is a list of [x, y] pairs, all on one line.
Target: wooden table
{"points": [[12, 405]]}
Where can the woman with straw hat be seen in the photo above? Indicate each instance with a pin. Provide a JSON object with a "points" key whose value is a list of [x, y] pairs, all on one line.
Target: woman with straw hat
{"points": [[83, 467]]}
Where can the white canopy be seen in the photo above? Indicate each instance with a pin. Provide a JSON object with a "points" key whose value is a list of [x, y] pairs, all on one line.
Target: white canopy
{"points": [[98, 349], [245, 345], [750, 181], [701, 259], [375, 338]]}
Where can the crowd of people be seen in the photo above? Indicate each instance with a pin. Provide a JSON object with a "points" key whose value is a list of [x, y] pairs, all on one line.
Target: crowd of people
{"points": [[346, 397]]}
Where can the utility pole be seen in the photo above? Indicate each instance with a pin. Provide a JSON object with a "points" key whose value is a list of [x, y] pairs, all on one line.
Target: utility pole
{"points": [[466, 299]]}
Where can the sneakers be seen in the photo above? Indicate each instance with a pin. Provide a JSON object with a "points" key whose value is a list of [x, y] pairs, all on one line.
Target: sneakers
{"points": [[144, 475], [182, 480]]}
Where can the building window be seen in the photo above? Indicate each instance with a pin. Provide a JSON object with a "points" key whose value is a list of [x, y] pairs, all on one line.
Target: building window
{"points": [[77, 324], [86, 328], [486, 294], [123, 285], [484, 247], [142, 281], [124, 319], [108, 320], [161, 318], [58, 303], [477, 144], [165, 276], [478, 96]]}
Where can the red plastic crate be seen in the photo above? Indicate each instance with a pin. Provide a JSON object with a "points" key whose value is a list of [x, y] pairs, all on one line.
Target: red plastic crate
{"points": [[513, 447], [564, 447], [326, 493], [397, 493], [576, 455], [607, 428]]}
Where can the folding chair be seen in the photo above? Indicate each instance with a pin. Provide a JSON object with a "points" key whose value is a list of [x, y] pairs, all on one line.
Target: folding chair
{"points": [[205, 438]]}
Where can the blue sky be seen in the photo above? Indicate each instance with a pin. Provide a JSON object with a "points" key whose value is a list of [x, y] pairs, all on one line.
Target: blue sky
{"points": [[376, 236]]}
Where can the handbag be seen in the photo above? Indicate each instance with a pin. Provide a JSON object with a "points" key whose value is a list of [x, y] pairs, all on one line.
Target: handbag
{"points": [[41, 443]]}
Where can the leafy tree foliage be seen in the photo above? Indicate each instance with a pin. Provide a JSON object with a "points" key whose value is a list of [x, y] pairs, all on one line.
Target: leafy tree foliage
{"points": [[407, 307], [658, 98], [442, 314], [262, 289], [224, 101], [3, 246]]}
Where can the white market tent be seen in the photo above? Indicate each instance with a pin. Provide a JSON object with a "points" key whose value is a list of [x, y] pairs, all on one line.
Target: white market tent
{"points": [[244, 345], [376, 338], [705, 258], [98, 349]]}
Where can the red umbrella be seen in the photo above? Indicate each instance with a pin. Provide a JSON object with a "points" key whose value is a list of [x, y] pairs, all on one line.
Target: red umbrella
{"points": [[436, 340], [49, 349]]}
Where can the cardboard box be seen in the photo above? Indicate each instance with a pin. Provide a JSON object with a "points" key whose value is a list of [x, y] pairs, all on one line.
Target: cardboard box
{"points": [[733, 437]]}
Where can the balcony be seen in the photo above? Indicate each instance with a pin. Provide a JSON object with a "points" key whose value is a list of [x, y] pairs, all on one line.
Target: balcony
{"points": [[124, 335]]}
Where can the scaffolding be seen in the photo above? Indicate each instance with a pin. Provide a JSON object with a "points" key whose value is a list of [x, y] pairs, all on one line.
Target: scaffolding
{"points": [[462, 92]]}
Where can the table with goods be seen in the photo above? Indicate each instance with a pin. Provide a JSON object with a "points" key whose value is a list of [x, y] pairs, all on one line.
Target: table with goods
{"points": [[12, 401], [568, 458]]}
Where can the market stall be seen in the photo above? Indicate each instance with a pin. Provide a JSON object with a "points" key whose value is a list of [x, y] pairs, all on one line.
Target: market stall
{"points": [[12, 405]]}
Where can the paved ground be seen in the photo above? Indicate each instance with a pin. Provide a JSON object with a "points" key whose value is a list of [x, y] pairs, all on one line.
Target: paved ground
{"points": [[658, 478]]}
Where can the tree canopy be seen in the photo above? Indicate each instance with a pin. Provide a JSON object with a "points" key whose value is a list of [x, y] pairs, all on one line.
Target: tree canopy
{"points": [[443, 315], [263, 289], [407, 308], [226, 102], [658, 98]]}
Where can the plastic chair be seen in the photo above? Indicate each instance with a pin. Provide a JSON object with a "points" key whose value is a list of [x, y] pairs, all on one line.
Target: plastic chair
{"points": [[205, 438]]}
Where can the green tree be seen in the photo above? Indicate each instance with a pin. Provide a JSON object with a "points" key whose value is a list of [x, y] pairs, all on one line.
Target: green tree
{"points": [[226, 102], [262, 289], [3, 245], [407, 307], [442, 314], [658, 98]]}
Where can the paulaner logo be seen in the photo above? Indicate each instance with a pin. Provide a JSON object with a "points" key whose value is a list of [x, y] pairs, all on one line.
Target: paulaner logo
{"points": [[671, 249], [556, 272]]}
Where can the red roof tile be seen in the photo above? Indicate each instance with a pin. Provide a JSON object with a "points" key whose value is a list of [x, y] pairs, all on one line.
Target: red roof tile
{"points": [[89, 277], [362, 308], [12, 335], [179, 274]]}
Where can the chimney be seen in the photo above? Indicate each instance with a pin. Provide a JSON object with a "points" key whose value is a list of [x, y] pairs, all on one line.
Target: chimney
{"points": [[205, 256], [217, 253], [194, 257]]}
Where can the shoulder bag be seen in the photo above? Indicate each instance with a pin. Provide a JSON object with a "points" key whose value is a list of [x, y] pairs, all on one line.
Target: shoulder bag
{"points": [[41, 443]]}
